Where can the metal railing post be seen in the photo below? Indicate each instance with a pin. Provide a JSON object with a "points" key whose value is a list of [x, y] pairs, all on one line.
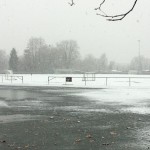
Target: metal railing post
{"points": [[129, 81], [106, 81], [11, 79], [2, 79]]}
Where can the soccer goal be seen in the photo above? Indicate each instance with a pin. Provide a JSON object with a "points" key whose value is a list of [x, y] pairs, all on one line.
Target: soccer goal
{"points": [[88, 76]]}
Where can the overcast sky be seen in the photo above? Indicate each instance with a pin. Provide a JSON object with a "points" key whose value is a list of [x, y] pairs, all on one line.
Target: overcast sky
{"points": [[55, 20]]}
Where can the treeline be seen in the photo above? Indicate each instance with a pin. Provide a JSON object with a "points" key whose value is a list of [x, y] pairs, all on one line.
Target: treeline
{"points": [[40, 57]]}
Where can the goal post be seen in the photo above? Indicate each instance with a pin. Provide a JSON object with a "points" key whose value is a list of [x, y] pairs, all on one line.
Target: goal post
{"points": [[89, 76]]}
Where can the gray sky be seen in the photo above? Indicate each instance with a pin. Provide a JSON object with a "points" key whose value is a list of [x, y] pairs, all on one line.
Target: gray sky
{"points": [[55, 20]]}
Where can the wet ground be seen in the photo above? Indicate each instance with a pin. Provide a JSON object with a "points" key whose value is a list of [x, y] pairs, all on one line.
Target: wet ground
{"points": [[74, 119]]}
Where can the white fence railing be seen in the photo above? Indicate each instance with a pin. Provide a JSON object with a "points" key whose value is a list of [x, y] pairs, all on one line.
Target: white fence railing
{"points": [[11, 78], [75, 79], [106, 80]]}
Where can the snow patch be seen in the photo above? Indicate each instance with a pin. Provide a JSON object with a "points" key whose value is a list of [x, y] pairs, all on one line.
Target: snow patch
{"points": [[120, 96], [137, 110]]}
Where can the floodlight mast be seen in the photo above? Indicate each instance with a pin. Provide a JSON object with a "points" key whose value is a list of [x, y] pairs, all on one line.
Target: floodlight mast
{"points": [[139, 53]]}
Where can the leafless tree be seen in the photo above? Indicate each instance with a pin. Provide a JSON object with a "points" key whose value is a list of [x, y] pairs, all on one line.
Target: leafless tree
{"points": [[115, 17], [31, 53], [3, 61], [89, 64], [68, 50], [103, 63]]}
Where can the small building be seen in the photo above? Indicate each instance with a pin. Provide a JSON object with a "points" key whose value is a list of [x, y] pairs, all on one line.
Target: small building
{"points": [[146, 72]]}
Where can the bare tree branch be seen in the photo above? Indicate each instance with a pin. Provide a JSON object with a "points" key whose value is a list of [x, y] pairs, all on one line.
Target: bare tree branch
{"points": [[100, 5], [114, 17], [110, 17], [99, 8], [72, 3]]}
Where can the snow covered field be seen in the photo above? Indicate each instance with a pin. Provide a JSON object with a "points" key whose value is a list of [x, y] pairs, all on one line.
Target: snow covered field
{"points": [[100, 80]]}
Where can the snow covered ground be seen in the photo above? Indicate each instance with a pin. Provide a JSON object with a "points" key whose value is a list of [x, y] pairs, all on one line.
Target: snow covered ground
{"points": [[100, 80], [130, 90], [117, 88], [125, 100]]}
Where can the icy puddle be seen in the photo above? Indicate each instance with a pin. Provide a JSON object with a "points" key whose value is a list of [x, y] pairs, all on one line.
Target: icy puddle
{"points": [[3, 104]]}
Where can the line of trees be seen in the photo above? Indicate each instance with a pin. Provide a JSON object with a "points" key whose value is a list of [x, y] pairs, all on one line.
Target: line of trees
{"points": [[40, 57]]}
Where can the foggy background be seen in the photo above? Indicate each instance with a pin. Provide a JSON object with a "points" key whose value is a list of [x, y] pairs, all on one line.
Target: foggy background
{"points": [[55, 20]]}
